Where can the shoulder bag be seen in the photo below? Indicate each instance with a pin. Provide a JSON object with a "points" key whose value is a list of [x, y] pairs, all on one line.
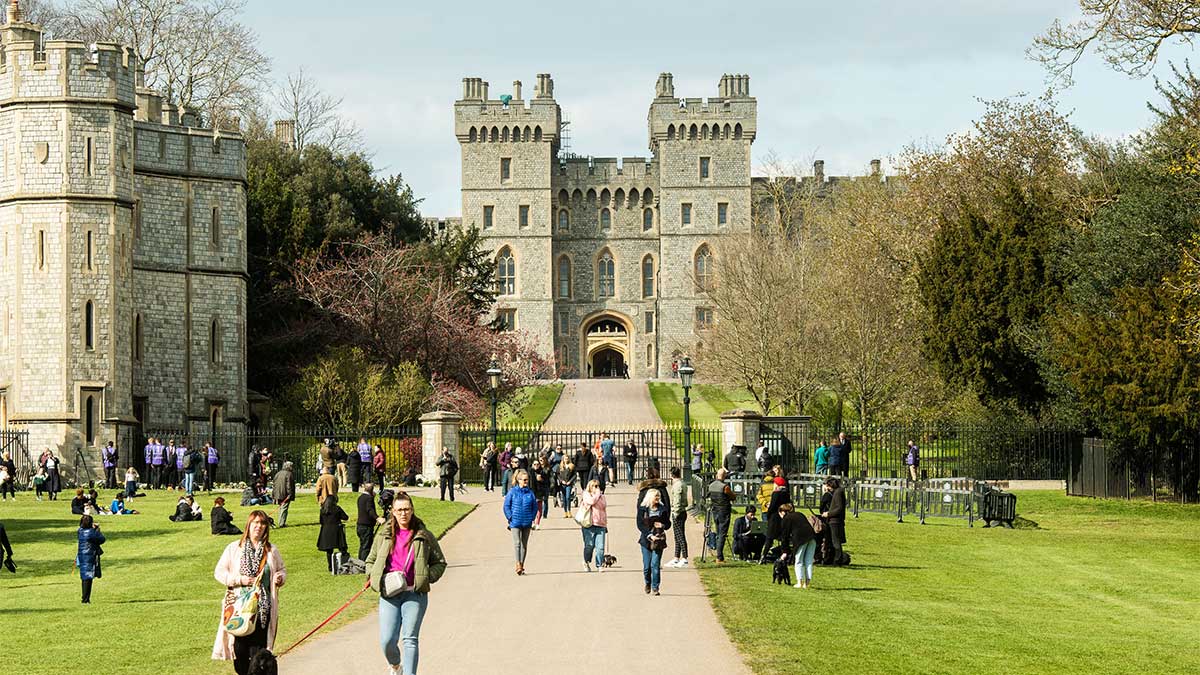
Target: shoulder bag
{"points": [[241, 613], [395, 583], [583, 516]]}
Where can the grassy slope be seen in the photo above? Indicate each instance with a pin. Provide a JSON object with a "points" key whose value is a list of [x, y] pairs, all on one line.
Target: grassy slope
{"points": [[536, 405], [707, 404], [1100, 586], [158, 596]]}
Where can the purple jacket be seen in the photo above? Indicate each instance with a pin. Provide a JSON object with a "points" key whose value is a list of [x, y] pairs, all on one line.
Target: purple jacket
{"points": [[157, 456], [109, 455], [364, 452]]}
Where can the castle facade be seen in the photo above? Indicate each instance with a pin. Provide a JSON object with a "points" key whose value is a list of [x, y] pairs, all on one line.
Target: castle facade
{"points": [[123, 260], [606, 262]]}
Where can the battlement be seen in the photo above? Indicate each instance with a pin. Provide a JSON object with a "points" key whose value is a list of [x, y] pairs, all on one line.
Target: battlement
{"points": [[601, 169], [32, 68], [732, 115], [508, 118]]}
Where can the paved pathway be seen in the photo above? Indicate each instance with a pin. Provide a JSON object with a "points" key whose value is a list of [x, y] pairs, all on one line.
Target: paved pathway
{"points": [[482, 618], [604, 403]]}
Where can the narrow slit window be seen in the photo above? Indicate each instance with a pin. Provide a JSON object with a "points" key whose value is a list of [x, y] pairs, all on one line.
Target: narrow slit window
{"points": [[647, 220], [216, 225], [89, 426], [605, 219], [722, 213], [90, 239], [89, 326], [524, 215], [685, 214], [41, 250], [704, 161], [488, 212], [647, 277], [90, 156], [505, 168], [214, 342]]}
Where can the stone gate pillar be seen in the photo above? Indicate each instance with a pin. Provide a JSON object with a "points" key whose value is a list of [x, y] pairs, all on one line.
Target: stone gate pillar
{"points": [[439, 429], [740, 427]]}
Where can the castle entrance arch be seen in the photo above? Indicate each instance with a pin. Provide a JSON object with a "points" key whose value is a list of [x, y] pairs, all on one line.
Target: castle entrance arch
{"points": [[606, 344]]}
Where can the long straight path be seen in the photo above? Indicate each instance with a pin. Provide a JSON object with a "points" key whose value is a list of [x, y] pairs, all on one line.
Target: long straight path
{"points": [[482, 618], [603, 403]]}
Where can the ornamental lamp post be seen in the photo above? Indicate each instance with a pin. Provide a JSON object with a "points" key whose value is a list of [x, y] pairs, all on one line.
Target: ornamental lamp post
{"points": [[686, 372], [494, 373]]}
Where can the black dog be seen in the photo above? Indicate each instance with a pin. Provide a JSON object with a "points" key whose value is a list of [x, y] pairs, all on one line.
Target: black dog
{"points": [[782, 573], [610, 560]]}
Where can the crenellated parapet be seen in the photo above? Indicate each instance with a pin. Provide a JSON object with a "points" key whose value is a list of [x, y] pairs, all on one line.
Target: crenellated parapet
{"points": [[731, 116], [508, 118]]}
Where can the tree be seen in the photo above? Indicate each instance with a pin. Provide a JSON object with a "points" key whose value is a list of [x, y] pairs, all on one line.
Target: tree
{"points": [[1129, 34], [344, 389], [195, 52], [397, 309], [316, 116], [997, 200], [867, 301]]}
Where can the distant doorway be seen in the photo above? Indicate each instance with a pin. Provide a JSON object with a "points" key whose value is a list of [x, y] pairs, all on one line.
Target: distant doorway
{"points": [[606, 346], [608, 362]]}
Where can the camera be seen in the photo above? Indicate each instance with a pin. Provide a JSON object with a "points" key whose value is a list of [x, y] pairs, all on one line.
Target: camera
{"points": [[385, 500]]}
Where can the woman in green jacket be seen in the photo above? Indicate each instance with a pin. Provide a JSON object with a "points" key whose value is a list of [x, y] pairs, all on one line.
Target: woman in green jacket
{"points": [[405, 560]]}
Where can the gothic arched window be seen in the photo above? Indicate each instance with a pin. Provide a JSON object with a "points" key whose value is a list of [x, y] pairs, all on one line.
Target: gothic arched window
{"points": [[703, 269], [506, 272], [606, 275], [564, 277], [648, 277]]}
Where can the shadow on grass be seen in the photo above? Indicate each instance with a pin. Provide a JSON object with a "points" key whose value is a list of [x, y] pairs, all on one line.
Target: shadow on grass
{"points": [[865, 589], [884, 567]]}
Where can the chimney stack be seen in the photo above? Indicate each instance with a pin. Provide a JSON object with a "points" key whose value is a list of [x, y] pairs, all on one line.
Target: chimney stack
{"points": [[819, 170], [875, 170], [516, 90], [285, 133]]}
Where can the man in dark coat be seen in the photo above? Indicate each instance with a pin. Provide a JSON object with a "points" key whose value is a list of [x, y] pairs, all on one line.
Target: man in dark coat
{"points": [[747, 544], [735, 461], [367, 520], [283, 491], [833, 512]]}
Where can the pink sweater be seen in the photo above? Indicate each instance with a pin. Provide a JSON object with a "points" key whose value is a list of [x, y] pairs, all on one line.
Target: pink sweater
{"points": [[599, 507]]}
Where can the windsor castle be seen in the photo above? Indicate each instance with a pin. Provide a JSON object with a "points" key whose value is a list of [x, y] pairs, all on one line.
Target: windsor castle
{"points": [[606, 263]]}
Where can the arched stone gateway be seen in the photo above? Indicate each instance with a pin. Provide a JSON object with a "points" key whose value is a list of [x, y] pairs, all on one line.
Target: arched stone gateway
{"points": [[607, 342]]}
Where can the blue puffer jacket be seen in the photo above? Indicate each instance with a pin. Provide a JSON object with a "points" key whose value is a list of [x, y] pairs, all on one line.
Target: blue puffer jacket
{"points": [[88, 557], [520, 507]]}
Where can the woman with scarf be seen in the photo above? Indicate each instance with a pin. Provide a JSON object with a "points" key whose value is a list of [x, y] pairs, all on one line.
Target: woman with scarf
{"points": [[240, 567]]}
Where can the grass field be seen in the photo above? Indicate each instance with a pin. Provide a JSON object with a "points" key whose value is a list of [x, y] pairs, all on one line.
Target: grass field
{"points": [[156, 608], [1096, 587], [707, 404]]}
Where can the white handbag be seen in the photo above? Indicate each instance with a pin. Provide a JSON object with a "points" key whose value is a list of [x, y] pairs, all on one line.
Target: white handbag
{"points": [[583, 516], [395, 583]]}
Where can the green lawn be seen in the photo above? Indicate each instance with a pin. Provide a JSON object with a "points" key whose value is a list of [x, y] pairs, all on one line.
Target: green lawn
{"points": [[1097, 586], [707, 404], [158, 602], [530, 405]]}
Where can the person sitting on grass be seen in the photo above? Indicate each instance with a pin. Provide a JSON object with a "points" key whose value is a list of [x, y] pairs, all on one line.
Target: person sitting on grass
{"points": [[118, 506], [78, 502], [221, 520], [186, 510]]}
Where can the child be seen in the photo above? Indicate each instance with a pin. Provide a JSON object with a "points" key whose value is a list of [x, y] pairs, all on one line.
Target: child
{"points": [[118, 506], [131, 483], [39, 482]]}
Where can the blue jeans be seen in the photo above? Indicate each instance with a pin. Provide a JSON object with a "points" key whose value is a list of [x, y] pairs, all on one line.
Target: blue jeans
{"points": [[593, 540], [566, 498], [804, 561], [651, 567], [189, 481], [544, 504], [400, 619]]}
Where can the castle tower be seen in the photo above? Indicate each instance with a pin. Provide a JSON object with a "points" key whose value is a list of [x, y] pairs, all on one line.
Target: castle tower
{"points": [[703, 152], [66, 181], [509, 148]]}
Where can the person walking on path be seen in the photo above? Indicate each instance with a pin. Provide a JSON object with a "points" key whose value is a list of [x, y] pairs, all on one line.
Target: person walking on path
{"points": [[405, 561], [8, 475], [607, 458], [653, 521], [87, 559], [108, 457], [220, 519], [520, 509], [566, 484], [799, 543], [488, 462], [595, 525], [508, 478], [720, 496], [630, 455], [367, 519], [252, 560], [447, 470], [283, 491], [541, 489], [332, 536], [583, 463], [679, 507]]}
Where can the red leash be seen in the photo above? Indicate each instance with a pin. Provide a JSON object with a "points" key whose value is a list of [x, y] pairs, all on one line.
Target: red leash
{"points": [[322, 624]]}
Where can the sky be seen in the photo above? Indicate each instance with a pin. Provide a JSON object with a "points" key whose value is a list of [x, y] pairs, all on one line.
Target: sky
{"points": [[846, 82]]}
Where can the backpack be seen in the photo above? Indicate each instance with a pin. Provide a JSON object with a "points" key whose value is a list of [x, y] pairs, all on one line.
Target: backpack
{"points": [[818, 525]]}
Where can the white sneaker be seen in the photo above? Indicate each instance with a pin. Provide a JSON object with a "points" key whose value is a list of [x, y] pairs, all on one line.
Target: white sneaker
{"points": [[797, 585], [673, 562], [600, 568], [536, 526], [587, 566], [683, 563]]}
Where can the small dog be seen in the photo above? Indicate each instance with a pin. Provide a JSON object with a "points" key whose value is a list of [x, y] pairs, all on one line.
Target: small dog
{"points": [[610, 560], [782, 573]]}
